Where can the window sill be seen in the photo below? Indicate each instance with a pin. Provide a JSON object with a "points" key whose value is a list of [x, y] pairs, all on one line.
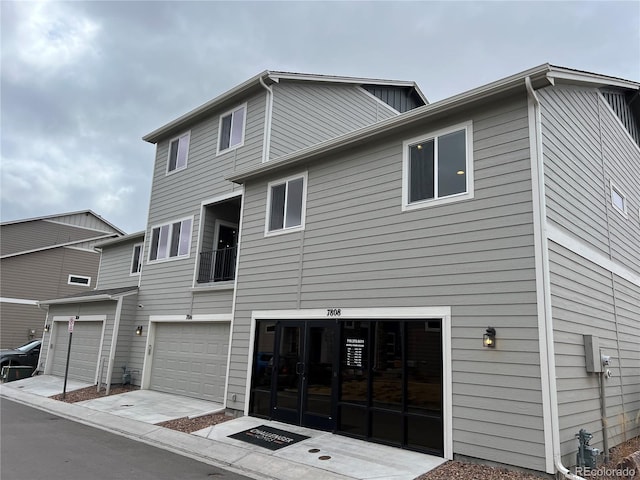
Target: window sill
{"points": [[213, 287]]}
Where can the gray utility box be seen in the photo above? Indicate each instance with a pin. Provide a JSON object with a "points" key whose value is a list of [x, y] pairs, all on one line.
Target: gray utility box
{"points": [[592, 354]]}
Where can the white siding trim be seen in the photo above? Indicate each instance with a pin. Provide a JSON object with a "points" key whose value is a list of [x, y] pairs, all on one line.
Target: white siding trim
{"points": [[114, 341], [19, 301], [207, 317], [576, 246], [442, 312]]}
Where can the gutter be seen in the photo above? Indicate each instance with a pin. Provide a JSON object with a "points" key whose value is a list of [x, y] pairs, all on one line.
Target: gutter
{"points": [[88, 298], [268, 113], [545, 317]]}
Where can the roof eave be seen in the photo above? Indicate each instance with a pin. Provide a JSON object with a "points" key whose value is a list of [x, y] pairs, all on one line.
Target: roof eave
{"points": [[88, 298], [123, 239], [499, 87]]}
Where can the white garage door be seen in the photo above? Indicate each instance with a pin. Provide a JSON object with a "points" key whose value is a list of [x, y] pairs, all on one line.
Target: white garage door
{"points": [[190, 359], [85, 347]]}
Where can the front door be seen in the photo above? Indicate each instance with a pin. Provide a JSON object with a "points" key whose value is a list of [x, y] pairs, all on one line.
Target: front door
{"points": [[305, 373]]}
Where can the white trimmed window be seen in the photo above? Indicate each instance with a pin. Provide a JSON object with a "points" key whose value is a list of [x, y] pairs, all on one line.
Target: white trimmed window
{"points": [[171, 240], [286, 204], [136, 259], [79, 280], [231, 129], [618, 200], [178, 153], [438, 167]]}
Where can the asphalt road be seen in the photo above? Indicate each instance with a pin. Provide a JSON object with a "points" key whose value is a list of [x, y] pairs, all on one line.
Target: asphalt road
{"points": [[35, 444]]}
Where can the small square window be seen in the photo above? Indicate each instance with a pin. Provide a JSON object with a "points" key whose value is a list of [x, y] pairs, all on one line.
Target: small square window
{"points": [[618, 200], [178, 153], [79, 280], [286, 204], [136, 260], [171, 240], [438, 167], [231, 129]]}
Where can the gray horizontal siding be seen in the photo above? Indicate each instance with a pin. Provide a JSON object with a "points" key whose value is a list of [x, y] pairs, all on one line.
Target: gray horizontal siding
{"points": [[359, 250], [16, 322], [307, 113], [585, 148], [115, 266], [584, 302]]}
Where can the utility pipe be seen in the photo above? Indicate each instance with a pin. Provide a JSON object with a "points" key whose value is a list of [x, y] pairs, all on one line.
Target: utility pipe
{"points": [[603, 413], [266, 143], [551, 374]]}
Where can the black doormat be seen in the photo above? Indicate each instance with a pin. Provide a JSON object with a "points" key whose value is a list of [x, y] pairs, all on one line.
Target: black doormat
{"points": [[268, 437]]}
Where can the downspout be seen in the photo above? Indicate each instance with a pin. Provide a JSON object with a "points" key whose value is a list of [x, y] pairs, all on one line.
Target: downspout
{"points": [[268, 109], [46, 321], [114, 341], [539, 197]]}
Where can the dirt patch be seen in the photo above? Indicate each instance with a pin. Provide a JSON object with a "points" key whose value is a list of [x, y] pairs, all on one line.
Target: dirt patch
{"points": [[90, 393], [189, 425], [455, 470]]}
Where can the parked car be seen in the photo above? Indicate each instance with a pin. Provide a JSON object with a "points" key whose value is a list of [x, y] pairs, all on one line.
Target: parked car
{"points": [[26, 355]]}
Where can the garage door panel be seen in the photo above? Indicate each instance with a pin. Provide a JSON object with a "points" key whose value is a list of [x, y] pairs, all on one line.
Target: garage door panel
{"points": [[190, 359], [85, 348]]}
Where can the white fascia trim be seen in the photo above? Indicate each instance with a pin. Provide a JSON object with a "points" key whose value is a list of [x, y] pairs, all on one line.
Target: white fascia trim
{"points": [[51, 247], [81, 249], [380, 102], [578, 247], [590, 78], [541, 273], [19, 301], [219, 317], [222, 198], [418, 313], [337, 79]]}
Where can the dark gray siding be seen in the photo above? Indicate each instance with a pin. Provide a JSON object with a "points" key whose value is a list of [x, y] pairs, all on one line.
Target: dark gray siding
{"points": [[306, 113], [402, 99], [477, 256]]}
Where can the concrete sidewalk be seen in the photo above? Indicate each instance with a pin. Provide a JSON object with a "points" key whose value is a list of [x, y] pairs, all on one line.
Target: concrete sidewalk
{"points": [[322, 456]]}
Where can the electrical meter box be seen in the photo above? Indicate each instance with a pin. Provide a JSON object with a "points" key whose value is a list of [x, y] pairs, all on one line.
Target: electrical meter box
{"points": [[592, 354]]}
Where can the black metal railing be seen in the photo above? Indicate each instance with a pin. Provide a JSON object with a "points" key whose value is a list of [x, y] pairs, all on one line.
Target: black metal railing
{"points": [[217, 265]]}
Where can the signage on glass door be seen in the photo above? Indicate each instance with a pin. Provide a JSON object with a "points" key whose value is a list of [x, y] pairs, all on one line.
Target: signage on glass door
{"points": [[354, 352]]}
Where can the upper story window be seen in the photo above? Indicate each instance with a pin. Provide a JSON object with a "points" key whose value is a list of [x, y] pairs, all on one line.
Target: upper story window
{"points": [[79, 280], [618, 200], [286, 204], [171, 240], [136, 259], [438, 167], [231, 129], [178, 153]]}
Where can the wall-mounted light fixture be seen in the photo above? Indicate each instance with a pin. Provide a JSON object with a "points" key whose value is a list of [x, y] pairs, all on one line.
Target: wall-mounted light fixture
{"points": [[489, 338], [189, 317], [139, 330], [47, 327]]}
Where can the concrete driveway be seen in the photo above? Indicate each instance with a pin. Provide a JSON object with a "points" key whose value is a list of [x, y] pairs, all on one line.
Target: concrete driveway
{"points": [[143, 405]]}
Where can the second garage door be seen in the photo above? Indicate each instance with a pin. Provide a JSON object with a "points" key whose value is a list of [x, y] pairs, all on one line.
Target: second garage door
{"points": [[85, 348], [190, 359]]}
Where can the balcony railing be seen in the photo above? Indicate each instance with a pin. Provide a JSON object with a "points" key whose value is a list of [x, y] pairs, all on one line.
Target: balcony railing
{"points": [[217, 265]]}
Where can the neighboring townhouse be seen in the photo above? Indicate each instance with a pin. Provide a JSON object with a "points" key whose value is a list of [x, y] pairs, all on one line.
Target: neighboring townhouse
{"points": [[45, 257], [107, 344], [338, 254]]}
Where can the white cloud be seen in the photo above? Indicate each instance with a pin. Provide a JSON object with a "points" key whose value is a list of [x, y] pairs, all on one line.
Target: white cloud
{"points": [[48, 39]]}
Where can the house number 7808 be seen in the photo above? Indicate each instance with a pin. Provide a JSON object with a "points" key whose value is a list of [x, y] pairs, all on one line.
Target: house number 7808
{"points": [[334, 312]]}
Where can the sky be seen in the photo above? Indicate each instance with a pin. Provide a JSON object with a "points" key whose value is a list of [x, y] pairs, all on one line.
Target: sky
{"points": [[82, 82]]}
